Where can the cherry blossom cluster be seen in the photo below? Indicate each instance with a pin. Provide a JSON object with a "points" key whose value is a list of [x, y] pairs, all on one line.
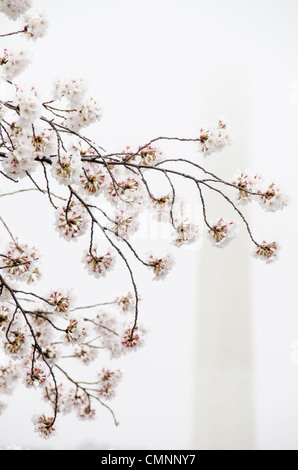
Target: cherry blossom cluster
{"points": [[71, 220], [99, 198], [80, 110], [222, 231], [185, 232], [14, 8], [108, 380], [146, 155], [98, 264], [267, 250], [161, 266], [13, 62], [21, 262], [214, 138], [269, 195], [34, 24]]}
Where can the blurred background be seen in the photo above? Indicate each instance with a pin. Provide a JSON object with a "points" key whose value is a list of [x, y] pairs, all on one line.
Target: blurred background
{"points": [[220, 366]]}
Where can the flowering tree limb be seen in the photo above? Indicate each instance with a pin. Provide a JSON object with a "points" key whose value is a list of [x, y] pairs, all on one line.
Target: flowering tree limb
{"points": [[99, 194]]}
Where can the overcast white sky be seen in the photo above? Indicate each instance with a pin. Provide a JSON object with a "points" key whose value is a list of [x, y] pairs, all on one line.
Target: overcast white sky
{"points": [[167, 67]]}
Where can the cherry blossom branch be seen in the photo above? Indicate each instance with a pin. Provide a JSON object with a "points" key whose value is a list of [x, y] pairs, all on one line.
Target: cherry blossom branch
{"points": [[89, 395], [43, 142]]}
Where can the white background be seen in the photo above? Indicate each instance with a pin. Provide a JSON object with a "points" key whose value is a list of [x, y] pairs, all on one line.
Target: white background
{"points": [[150, 65]]}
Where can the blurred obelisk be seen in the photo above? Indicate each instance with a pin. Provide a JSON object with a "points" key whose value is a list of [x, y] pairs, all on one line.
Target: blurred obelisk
{"points": [[224, 345]]}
